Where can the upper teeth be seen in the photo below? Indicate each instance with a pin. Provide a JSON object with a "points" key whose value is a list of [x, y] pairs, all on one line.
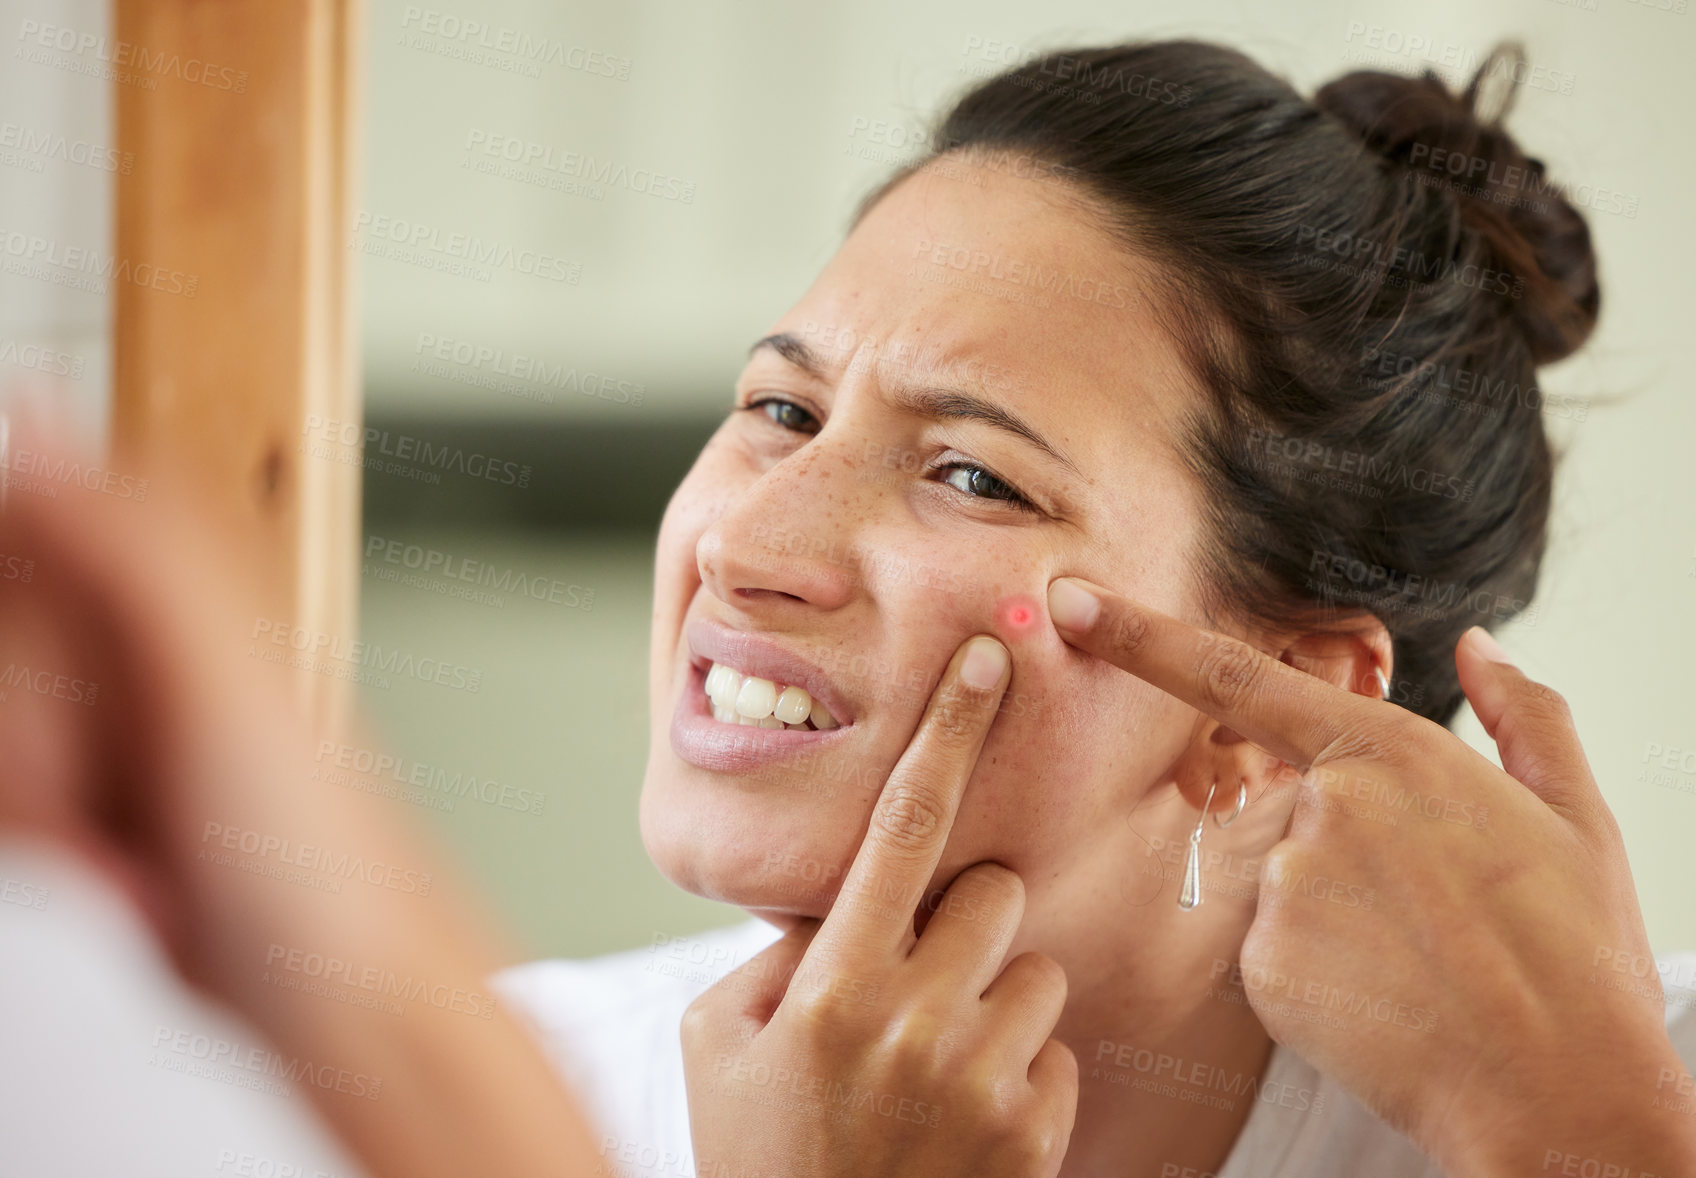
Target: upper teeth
{"points": [[743, 699]]}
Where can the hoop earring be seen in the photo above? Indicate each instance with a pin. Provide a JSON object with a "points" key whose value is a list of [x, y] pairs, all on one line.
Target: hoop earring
{"points": [[1189, 896], [1242, 800], [1383, 683]]}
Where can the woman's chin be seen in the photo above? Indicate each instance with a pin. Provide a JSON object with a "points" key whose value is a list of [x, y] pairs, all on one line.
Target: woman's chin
{"points": [[709, 873], [761, 857]]}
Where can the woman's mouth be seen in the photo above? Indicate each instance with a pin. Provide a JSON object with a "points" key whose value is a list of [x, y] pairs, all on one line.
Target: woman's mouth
{"points": [[733, 720]]}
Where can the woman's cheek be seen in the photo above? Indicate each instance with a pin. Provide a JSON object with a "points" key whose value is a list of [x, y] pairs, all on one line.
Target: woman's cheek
{"points": [[1040, 717], [1065, 728], [692, 509]]}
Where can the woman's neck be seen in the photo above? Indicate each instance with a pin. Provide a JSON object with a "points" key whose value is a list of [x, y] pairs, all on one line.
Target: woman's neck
{"points": [[1170, 1055], [1154, 1105]]}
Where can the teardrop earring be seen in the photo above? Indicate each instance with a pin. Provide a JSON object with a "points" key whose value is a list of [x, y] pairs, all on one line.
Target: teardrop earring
{"points": [[1189, 896]]}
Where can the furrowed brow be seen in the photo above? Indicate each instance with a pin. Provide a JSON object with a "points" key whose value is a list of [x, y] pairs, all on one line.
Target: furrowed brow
{"points": [[955, 405], [938, 404]]}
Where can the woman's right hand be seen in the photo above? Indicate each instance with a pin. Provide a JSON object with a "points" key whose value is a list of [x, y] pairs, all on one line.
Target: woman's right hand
{"points": [[1464, 1006], [889, 1051]]}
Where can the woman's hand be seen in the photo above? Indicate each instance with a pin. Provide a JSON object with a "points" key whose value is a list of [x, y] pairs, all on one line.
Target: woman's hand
{"points": [[1468, 1007], [857, 1047]]}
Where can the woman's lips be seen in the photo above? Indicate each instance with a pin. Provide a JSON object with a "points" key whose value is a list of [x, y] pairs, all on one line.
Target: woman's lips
{"points": [[709, 744]]}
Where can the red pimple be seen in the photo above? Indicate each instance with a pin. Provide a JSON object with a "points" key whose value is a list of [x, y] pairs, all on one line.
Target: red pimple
{"points": [[1017, 613]]}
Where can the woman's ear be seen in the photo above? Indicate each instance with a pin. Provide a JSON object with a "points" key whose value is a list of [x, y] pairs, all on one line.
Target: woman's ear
{"points": [[1351, 658]]}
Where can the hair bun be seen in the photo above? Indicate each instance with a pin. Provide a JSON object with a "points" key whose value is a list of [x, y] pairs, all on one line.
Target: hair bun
{"points": [[1441, 140]]}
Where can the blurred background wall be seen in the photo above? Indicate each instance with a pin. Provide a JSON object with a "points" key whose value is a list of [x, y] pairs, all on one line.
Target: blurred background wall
{"points": [[57, 160], [719, 150]]}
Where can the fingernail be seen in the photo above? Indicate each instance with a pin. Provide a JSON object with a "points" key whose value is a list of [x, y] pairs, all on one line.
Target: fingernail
{"points": [[1072, 606], [985, 661], [1486, 645]]}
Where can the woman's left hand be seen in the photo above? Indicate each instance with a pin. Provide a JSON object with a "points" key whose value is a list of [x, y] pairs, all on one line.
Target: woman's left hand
{"points": [[1470, 1005]]}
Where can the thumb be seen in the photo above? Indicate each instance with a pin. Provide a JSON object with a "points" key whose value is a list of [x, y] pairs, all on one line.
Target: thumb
{"points": [[1529, 721], [742, 1002]]}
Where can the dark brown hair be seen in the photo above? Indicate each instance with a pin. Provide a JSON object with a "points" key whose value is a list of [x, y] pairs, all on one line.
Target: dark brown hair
{"points": [[1365, 283]]}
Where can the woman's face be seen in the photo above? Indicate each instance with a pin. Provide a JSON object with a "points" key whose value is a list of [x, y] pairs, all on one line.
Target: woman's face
{"points": [[850, 524]]}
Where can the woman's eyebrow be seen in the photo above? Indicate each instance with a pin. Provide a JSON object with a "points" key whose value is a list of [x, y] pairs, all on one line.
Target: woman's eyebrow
{"points": [[955, 405], [795, 350], [924, 401]]}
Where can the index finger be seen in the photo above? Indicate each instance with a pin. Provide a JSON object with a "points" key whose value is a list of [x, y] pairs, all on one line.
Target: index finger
{"points": [[873, 912], [1289, 713]]}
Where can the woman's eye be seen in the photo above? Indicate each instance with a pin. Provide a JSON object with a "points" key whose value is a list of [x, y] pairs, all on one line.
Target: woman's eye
{"points": [[980, 484], [787, 414]]}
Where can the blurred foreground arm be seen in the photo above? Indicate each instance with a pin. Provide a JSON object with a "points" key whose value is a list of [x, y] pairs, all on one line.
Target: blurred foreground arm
{"points": [[142, 729]]}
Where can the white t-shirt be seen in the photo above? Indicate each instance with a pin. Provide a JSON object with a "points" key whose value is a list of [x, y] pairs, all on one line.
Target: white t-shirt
{"points": [[610, 1025]]}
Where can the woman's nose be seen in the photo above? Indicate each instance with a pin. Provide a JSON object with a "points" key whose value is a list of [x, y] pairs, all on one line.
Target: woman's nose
{"points": [[790, 535]]}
